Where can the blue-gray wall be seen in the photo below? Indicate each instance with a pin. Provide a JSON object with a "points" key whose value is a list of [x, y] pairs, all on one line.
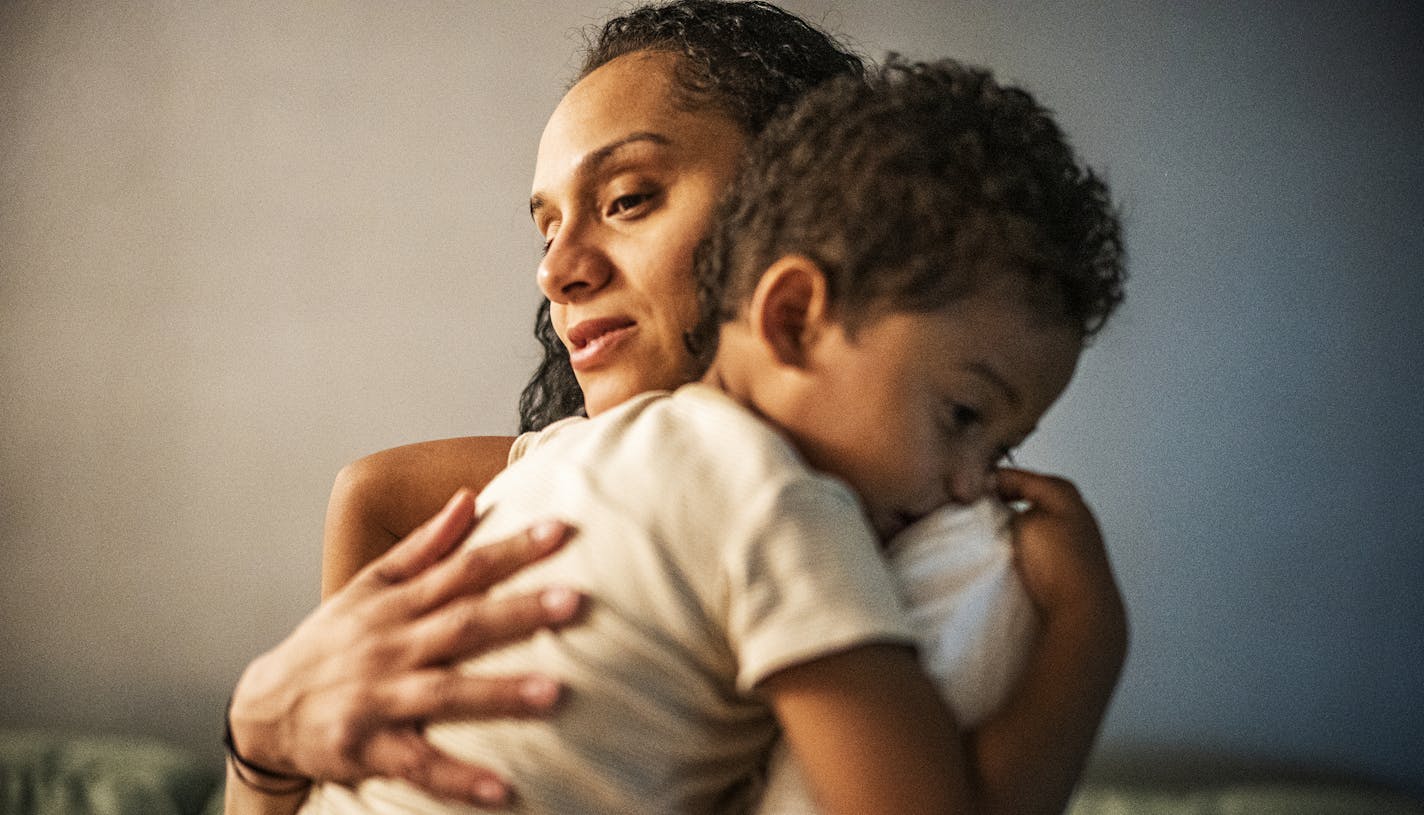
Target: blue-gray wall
{"points": [[241, 244]]}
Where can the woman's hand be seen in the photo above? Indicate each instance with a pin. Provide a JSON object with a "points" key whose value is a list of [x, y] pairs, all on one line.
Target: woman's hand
{"points": [[346, 696]]}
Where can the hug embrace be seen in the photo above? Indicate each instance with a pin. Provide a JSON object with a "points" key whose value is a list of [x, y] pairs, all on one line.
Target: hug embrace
{"points": [[753, 551]]}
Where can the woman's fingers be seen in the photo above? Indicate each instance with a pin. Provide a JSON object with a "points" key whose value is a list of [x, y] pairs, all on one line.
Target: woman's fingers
{"points": [[405, 754], [475, 569], [443, 694], [402, 751], [427, 545], [344, 697], [473, 625]]}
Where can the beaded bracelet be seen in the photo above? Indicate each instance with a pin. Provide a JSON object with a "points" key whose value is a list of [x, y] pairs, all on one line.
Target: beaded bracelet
{"points": [[250, 774]]}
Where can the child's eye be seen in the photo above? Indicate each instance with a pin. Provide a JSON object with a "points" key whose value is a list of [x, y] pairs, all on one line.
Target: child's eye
{"points": [[958, 418], [965, 416]]}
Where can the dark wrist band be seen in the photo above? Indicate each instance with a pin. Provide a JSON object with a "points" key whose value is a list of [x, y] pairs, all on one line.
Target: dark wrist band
{"points": [[254, 775]]}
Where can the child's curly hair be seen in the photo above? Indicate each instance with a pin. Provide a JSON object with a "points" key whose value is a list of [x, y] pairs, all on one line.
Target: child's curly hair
{"points": [[910, 188]]}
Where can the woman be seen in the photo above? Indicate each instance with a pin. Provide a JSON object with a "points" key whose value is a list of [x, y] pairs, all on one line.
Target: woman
{"points": [[618, 272]]}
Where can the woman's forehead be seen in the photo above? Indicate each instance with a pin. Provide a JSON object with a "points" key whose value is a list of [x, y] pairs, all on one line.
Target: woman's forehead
{"points": [[629, 99], [632, 92]]}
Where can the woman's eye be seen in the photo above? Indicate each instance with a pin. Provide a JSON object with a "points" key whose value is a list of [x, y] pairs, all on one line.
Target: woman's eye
{"points": [[547, 233], [626, 203]]}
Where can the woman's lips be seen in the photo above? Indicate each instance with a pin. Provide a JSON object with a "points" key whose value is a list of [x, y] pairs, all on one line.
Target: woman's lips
{"points": [[594, 341]]}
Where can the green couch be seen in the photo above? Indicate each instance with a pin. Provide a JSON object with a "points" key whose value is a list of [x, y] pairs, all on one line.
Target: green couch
{"points": [[44, 773], [47, 773]]}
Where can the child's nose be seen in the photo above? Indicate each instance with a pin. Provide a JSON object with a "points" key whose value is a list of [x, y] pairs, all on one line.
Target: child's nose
{"points": [[970, 483]]}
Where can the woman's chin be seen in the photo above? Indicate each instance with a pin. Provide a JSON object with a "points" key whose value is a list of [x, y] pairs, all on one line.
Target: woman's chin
{"points": [[609, 390], [606, 392]]}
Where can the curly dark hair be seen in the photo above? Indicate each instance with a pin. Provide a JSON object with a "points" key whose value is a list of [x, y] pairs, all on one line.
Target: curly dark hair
{"points": [[911, 187], [746, 59]]}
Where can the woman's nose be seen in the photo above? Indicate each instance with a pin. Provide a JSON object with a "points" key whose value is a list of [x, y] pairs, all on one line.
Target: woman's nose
{"points": [[573, 268]]}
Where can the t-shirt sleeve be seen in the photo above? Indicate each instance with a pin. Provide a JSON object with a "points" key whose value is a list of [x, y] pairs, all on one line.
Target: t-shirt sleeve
{"points": [[805, 579], [526, 443]]}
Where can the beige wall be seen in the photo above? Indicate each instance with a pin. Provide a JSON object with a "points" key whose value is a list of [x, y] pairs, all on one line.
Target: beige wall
{"points": [[244, 243], [241, 244]]}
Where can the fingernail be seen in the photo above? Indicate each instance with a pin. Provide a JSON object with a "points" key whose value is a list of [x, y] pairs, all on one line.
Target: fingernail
{"points": [[548, 532], [491, 792], [560, 602], [454, 500], [539, 691]]}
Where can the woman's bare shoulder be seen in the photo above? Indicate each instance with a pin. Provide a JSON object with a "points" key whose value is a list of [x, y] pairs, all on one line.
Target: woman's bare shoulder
{"points": [[380, 498]]}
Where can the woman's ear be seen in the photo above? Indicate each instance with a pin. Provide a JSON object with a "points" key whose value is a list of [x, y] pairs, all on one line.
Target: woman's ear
{"points": [[789, 308]]}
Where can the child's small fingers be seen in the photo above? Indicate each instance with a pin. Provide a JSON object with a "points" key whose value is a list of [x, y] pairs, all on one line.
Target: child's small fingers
{"points": [[1048, 492]]}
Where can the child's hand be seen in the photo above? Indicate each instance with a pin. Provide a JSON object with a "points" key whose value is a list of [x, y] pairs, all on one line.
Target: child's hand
{"points": [[1059, 551]]}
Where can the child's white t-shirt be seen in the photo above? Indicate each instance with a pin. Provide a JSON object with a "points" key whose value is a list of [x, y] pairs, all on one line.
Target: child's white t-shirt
{"points": [[712, 557], [974, 621]]}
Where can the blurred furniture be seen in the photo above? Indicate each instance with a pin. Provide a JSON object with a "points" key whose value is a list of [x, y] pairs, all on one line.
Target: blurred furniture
{"points": [[49, 773]]}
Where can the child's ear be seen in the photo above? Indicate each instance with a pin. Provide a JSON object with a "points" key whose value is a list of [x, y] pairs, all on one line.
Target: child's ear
{"points": [[789, 308]]}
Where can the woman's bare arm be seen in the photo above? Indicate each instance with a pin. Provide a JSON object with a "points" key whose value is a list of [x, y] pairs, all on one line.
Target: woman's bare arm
{"points": [[379, 499]]}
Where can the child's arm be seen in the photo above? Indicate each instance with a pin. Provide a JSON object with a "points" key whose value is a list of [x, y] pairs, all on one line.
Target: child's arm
{"points": [[1034, 749], [872, 734], [379, 499]]}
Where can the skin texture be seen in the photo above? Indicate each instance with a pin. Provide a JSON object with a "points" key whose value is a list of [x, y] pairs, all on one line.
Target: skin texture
{"points": [[623, 191], [374, 663], [913, 410], [1028, 756], [379, 499]]}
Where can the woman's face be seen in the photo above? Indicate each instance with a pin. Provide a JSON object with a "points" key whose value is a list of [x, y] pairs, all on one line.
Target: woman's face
{"points": [[624, 188]]}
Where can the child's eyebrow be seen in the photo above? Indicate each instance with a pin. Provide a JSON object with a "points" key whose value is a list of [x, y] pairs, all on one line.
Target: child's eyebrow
{"points": [[987, 372]]}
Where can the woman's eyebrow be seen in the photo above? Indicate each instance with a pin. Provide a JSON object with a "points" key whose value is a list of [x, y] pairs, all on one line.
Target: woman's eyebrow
{"points": [[590, 163]]}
